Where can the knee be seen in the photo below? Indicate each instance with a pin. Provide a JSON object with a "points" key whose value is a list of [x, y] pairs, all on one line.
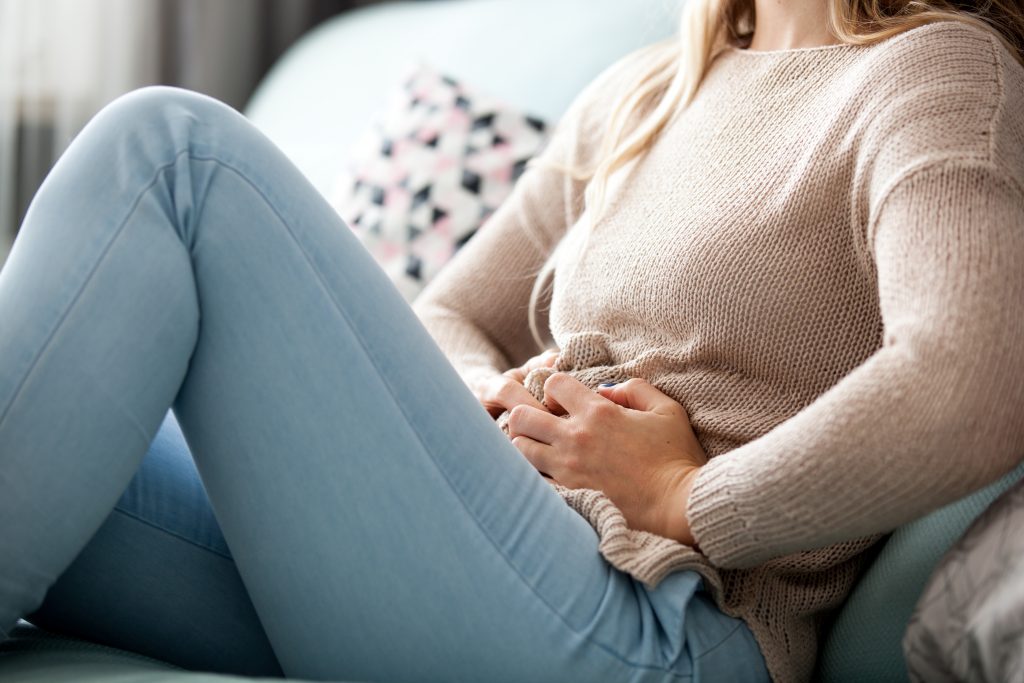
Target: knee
{"points": [[156, 102], [160, 114]]}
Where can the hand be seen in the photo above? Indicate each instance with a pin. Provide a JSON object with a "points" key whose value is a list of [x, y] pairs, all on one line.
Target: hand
{"points": [[506, 391], [630, 441], [542, 360]]}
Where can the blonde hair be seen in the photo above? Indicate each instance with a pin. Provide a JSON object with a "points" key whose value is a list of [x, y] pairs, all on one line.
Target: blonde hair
{"points": [[707, 27]]}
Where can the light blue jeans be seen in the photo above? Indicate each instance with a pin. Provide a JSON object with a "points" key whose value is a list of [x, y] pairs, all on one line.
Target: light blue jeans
{"points": [[380, 525]]}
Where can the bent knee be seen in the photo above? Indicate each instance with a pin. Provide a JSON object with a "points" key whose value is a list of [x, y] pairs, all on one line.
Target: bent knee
{"points": [[158, 101], [151, 127], [160, 112]]}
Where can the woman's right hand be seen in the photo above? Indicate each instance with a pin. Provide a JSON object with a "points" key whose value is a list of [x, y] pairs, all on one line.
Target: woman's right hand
{"points": [[506, 391]]}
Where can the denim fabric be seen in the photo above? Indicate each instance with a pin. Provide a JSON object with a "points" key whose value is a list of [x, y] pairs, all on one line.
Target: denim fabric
{"points": [[381, 524], [158, 578]]}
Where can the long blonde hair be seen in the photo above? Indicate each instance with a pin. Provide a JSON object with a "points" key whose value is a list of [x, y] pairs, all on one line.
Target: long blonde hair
{"points": [[707, 27]]}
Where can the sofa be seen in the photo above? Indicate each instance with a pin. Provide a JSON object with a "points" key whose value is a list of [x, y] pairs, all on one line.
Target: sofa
{"points": [[315, 103]]}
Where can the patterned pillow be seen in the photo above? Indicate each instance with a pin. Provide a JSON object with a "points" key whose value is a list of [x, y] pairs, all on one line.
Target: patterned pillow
{"points": [[430, 172]]}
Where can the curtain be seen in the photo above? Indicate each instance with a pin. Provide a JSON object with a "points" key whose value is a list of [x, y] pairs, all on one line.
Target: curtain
{"points": [[62, 60]]}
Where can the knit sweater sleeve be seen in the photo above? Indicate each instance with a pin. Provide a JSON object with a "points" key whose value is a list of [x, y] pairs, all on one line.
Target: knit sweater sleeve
{"points": [[938, 411], [476, 308]]}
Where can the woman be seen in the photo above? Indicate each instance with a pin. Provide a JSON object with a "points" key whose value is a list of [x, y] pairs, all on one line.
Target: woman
{"points": [[787, 321]]}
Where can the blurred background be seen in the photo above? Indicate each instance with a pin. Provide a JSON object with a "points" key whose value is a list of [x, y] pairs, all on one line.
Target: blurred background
{"points": [[322, 79], [62, 60]]}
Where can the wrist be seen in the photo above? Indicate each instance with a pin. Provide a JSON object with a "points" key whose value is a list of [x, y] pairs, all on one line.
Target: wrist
{"points": [[678, 520]]}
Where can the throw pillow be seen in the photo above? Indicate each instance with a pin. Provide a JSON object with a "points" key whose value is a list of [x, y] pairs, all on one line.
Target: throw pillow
{"points": [[430, 172], [969, 622]]}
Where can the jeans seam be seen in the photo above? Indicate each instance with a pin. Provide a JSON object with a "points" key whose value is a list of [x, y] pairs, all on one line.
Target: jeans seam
{"points": [[721, 642], [85, 283], [174, 534], [340, 310]]}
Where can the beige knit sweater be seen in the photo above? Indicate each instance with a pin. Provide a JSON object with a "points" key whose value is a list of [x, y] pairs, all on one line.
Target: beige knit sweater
{"points": [[822, 260]]}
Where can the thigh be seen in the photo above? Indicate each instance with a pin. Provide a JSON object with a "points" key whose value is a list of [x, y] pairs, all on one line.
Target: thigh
{"points": [[158, 578]]}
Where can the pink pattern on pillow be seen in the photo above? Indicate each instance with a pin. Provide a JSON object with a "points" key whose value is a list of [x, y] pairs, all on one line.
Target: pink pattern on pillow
{"points": [[430, 173]]}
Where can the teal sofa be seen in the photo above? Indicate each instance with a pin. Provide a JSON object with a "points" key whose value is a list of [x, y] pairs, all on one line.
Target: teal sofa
{"points": [[535, 54]]}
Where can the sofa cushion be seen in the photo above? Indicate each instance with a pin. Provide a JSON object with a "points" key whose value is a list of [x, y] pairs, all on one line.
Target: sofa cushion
{"points": [[864, 642], [33, 655]]}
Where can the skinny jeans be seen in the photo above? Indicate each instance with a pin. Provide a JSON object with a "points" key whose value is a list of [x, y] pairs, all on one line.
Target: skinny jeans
{"points": [[228, 442]]}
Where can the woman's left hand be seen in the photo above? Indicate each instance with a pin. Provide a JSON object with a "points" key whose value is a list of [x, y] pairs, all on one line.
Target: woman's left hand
{"points": [[629, 440]]}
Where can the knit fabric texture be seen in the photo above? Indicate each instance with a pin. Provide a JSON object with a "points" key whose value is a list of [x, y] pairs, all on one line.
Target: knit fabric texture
{"points": [[822, 259]]}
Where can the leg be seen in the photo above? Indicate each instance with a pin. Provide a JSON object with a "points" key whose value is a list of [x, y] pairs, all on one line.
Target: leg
{"points": [[158, 579], [383, 526]]}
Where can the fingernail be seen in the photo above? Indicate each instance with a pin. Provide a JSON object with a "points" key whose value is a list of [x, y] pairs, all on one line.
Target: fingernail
{"points": [[608, 384]]}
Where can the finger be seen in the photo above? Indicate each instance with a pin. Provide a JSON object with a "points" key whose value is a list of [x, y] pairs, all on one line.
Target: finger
{"points": [[540, 455], [544, 360], [515, 374], [639, 394], [567, 392], [548, 358], [505, 394], [539, 425]]}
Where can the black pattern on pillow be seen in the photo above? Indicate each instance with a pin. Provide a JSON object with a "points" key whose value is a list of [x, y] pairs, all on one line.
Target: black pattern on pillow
{"points": [[431, 172]]}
